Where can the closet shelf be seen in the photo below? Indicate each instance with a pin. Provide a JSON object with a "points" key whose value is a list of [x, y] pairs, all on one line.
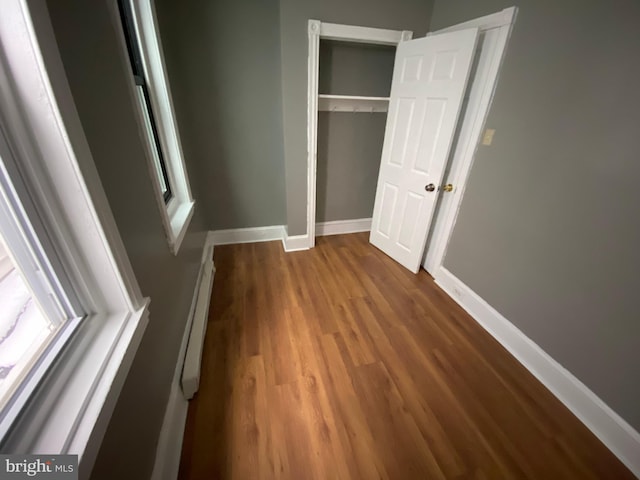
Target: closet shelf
{"points": [[350, 103]]}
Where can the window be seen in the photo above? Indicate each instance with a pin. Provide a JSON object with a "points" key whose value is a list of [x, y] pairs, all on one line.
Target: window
{"points": [[62, 258], [38, 306], [151, 94], [25, 330], [133, 47]]}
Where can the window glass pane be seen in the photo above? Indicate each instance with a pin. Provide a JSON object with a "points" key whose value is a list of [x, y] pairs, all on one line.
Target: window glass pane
{"points": [[152, 142], [137, 66], [126, 16], [35, 307], [25, 331]]}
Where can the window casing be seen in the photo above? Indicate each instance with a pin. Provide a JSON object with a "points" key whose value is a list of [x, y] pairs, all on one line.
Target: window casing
{"points": [[70, 409], [135, 58], [38, 304], [158, 128]]}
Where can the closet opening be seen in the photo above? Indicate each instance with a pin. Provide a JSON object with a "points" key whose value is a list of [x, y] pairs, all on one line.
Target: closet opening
{"points": [[355, 78], [354, 83]]}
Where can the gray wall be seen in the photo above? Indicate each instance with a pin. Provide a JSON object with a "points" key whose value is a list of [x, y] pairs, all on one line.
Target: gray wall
{"points": [[355, 68], [549, 230], [349, 150], [223, 60], [92, 60], [350, 144], [294, 14]]}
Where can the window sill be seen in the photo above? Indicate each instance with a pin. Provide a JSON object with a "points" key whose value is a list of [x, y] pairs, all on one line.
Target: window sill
{"points": [[71, 412], [179, 217], [72, 405]]}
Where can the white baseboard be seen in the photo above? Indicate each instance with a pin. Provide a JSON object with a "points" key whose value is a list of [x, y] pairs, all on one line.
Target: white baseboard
{"points": [[261, 234], [607, 425], [209, 242], [247, 235], [338, 227], [169, 448], [292, 243], [295, 243]]}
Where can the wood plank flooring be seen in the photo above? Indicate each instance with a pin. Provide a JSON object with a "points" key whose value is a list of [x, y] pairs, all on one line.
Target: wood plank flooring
{"points": [[338, 363]]}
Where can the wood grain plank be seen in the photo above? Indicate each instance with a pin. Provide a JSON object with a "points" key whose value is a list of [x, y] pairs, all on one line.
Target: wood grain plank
{"points": [[338, 363]]}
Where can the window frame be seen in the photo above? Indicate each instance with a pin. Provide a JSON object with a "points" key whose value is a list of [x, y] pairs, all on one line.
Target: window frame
{"points": [[70, 409], [176, 213], [34, 256], [135, 60]]}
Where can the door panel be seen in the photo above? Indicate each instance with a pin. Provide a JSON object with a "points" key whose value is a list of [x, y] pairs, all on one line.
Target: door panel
{"points": [[389, 198], [429, 79]]}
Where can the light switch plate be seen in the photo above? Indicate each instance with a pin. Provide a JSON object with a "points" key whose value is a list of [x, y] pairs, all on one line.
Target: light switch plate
{"points": [[488, 136]]}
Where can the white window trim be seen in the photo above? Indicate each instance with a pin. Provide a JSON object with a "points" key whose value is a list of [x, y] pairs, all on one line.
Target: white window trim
{"points": [[70, 411], [177, 213]]}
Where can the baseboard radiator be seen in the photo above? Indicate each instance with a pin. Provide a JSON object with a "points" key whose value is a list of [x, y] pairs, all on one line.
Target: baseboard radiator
{"points": [[193, 357]]}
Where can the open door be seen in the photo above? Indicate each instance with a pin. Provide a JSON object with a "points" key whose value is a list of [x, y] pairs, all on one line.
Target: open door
{"points": [[429, 79]]}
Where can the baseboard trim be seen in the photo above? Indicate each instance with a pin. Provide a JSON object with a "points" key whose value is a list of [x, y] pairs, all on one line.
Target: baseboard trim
{"points": [[295, 243], [169, 449], [291, 243], [167, 461], [247, 235], [338, 227], [608, 426]]}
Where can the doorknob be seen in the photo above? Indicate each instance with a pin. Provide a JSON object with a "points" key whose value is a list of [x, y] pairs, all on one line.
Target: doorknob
{"points": [[447, 188], [430, 188]]}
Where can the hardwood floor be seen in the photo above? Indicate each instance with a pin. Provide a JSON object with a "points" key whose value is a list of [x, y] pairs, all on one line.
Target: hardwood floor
{"points": [[338, 363]]}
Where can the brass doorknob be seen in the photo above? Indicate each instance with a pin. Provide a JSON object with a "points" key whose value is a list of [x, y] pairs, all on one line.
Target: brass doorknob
{"points": [[430, 188], [447, 188]]}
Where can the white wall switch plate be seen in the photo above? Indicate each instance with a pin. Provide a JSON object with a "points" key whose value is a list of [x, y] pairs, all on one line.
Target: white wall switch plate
{"points": [[487, 139]]}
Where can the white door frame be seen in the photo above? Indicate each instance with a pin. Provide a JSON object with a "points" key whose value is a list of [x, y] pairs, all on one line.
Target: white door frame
{"points": [[465, 147], [473, 124], [331, 31]]}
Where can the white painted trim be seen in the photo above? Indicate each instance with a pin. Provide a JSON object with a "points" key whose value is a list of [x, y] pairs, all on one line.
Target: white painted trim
{"points": [[70, 411], [279, 232], [209, 240], [355, 34], [607, 425], [177, 213], [167, 462], [169, 448], [339, 227], [313, 67], [351, 103], [179, 221], [247, 235], [472, 125], [260, 234], [295, 243], [329, 31], [494, 20]]}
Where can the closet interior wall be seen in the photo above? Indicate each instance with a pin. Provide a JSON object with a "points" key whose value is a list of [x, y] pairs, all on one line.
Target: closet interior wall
{"points": [[350, 142]]}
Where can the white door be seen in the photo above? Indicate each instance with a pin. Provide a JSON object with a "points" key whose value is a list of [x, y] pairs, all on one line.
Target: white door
{"points": [[429, 80]]}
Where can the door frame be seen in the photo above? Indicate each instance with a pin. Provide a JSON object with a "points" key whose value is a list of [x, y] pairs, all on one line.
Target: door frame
{"points": [[331, 31], [469, 140], [466, 147]]}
